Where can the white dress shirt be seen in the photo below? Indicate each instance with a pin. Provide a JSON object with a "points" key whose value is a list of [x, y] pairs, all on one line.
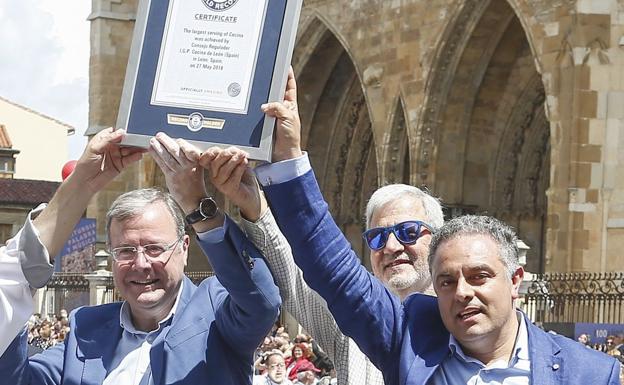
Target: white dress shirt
{"points": [[131, 361], [16, 302]]}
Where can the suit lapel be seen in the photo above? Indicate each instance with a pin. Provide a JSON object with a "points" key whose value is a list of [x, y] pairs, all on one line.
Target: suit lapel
{"points": [[97, 350], [546, 361], [157, 352], [426, 340]]}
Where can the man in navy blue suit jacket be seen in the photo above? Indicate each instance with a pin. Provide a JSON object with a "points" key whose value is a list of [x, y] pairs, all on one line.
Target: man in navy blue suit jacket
{"points": [[167, 331], [472, 332]]}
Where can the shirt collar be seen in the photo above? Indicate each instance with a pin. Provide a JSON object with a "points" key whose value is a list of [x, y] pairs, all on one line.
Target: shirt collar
{"points": [[125, 318], [520, 352]]}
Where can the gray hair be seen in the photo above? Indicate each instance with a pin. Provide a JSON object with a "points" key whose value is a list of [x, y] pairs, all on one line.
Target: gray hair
{"points": [[133, 203], [392, 192], [501, 233]]}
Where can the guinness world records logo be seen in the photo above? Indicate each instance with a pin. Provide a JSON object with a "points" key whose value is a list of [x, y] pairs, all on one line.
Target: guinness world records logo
{"points": [[219, 5], [195, 121]]}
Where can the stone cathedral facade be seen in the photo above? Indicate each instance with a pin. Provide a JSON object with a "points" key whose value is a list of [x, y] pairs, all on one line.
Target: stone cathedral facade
{"points": [[514, 108]]}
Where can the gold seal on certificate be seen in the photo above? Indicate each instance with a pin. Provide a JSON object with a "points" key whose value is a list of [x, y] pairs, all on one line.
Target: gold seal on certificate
{"points": [[200, 69]]}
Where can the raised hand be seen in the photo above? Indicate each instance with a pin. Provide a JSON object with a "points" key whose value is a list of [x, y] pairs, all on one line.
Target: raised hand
{"points": [[103, 159], [288, 127], [230, 174], [178, 160]]}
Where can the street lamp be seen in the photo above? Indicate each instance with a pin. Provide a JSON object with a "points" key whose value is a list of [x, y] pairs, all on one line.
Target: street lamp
{"points": [[101, 260]]}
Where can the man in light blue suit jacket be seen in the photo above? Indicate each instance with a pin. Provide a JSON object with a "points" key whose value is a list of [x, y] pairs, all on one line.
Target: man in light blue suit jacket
{"points": [[167, 331], [472, 332]]}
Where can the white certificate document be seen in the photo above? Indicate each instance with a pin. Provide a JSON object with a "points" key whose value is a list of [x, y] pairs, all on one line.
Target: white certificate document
{"points": [[208, 54]]}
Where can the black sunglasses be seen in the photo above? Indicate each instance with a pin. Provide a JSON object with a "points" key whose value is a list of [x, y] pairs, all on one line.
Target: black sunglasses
{"points": [[406, 232]]}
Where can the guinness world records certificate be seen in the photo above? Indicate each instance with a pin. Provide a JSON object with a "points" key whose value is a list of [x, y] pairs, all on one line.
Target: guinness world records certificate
{"points": [[200, 69]]}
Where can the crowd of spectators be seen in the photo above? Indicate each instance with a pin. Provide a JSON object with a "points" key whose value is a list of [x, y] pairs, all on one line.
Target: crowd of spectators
{"points": [[613, 345], [43, 333], [298, 361]]}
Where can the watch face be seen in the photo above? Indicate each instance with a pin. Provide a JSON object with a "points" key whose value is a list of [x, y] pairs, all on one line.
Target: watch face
{"points": [[208, 208]]}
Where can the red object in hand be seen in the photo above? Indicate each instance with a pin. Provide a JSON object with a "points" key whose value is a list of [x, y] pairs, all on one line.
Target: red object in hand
{"points": [[68, 168]]}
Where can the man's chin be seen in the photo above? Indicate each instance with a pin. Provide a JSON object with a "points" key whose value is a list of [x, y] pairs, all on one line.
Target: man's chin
{"points": [[401, 281], [148, 298]]}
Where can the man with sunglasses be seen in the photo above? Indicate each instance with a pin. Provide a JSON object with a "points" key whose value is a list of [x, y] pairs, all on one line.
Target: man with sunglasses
{"points": [[275, 366], [167, 330], [400, 220]]}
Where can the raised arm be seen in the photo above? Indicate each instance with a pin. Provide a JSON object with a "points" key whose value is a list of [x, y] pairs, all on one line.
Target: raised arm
{"points": [[16, 302], [102, 160], [363, 308], [25, 262], [236, 181], [249, 310], [303, 303]]}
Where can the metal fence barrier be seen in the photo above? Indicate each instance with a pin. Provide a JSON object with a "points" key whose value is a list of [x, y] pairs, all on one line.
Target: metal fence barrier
{"points": [[552, 297], [576, 297]]}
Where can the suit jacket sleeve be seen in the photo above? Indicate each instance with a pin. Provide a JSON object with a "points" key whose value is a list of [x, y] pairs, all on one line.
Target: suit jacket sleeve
{"points": [[42, 369], [308, 308], [363, 308], [248, 312]]}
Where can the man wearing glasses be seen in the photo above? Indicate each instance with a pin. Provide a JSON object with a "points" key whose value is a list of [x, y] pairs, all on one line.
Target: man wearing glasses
{"points": [[275, 370], [167, 330]]}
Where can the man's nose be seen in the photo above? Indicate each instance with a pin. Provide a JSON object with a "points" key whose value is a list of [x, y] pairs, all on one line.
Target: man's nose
{"points": [[463, 291], [140, 260], [393, 246]]}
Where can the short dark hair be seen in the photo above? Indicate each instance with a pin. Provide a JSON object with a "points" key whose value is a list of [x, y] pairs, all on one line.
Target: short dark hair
{"points": [[500, 232]]}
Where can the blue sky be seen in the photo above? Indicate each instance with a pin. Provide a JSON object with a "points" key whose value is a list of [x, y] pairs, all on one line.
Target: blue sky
{"points": [[45, 60]]}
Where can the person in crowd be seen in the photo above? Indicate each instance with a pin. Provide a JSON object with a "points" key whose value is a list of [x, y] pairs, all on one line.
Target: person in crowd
{"points": [[167, 330], [320, 359], [611, 347], [472, 331], [44, 339], [619, 346], [584, 339], [399, 221], [307, 377], [300, 360], [275, 370]]}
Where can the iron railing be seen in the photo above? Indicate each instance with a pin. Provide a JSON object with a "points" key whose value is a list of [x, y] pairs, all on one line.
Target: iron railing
{"points": [[548, 298], [576, 297], [66, 291]]}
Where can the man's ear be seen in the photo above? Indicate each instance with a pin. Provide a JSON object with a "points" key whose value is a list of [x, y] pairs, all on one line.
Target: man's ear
{"points": [[516, 280], [185, 248]]}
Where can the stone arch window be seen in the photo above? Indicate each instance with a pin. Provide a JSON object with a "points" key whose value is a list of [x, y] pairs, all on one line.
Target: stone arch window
{"points": [[336, 126], [397, 157], [484, 133]]}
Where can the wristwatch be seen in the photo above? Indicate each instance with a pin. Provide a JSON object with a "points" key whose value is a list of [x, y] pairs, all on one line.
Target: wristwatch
{"points": [[207, 210]]}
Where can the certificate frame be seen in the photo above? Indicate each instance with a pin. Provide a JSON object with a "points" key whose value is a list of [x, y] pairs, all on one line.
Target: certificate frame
{"points": [[248, 129]]}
